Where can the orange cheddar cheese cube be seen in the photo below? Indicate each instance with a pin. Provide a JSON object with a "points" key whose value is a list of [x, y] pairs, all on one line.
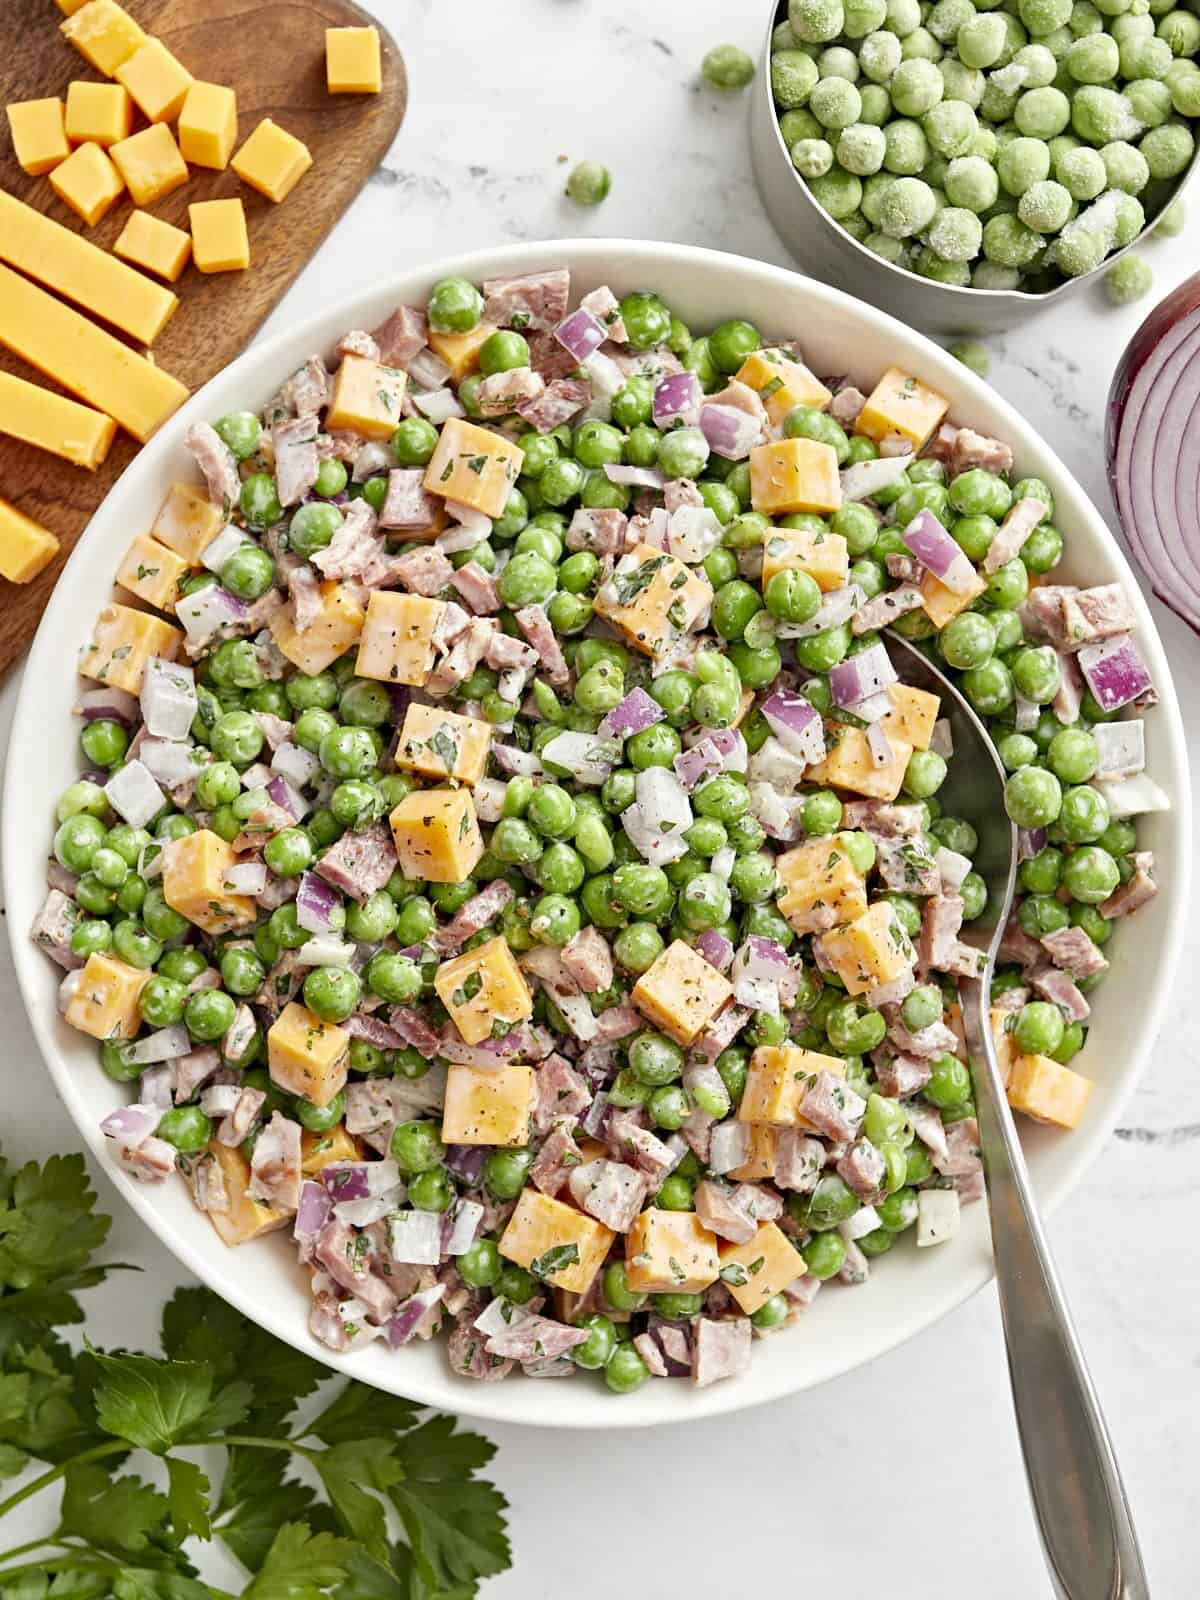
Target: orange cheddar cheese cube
{"points": [[783, 383], [98, 113], [319, 1150], [1048, 1092], [157, 83], [824, 556], [849, 764], [777, 1080], [763, 1266], [487, 1105], [913, 714], [441, 744], [941, 604], [397, 645], [150, 163], [26, 548], [306, 1056], [155, 245], [152, 572], [820, 884], [193, 883], [681, 993], [208, 125], [790, 475], [652, 599], [352, 64], [760, 1163], [559, 1245], [474, 467], [105, 1002], [670, 1252], [220, 242], [104, 34], [367, 398], [52, 422], [899, 404], [69, 7], [1003, 1042], [329, 636], [483, 989], [460, 351], [436, 833], [872, 949], [122, 642], [39, 134], [188, 521], [88, 182], [272, 160], [244, 1219]]}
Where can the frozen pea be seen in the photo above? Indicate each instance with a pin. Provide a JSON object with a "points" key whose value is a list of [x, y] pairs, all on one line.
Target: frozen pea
{"points": [[1078, 250], [961, 83], [1023, 162], [1044, 206], [1094, 59], [993, 275], [955, 234], [907, 148], [1151, 100], [876, 104], [1173, 220], [935, 172], [916, 87], [1006, 239], [1127, 280], [950, 128], [1015, 38], [873, 192], [972, 183], [782, 38], [838, 62], [1133, 25], [835, 103], [998, 103], [1184, 91], [1145, 57], [879, 56], [1058, 43], [795, 125], [1180, 31], [947, 17], [1041, 113], [892, 250], [1059, 145], [1100, 115], [929, 264], [1038, 63], [812, 158], [972, 354], [981, 39], [1129, 220], [837, 192], [908, 207], [1167, 149], [920, 45], [1125, 166], [727, 67], [861, 17], [861, 148], [1044, 16], [1081, 173], [816, 21], [1085, 19], [902, 16], [856, 225], [793, 75], [985, 144], [1114, 8]]}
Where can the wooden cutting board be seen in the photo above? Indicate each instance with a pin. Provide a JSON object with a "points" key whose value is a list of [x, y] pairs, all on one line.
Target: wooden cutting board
{"points": [[273, 53]]}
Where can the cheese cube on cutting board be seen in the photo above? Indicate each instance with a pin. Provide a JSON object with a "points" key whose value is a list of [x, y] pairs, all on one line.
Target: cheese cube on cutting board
{"points": [[872, 949], [272, 160], [942, 604], [150, 163], [105, 1004], [155, 81], [104, 34], [152, 572], [473, 466], [849, 764], [558, 1244], [782, 383], [1048, 1092], [26, 548], [482, 988], [436, 834], [487, 1105], [397, 637], [670, 1252], [51, 422], [319, 1150], [819, 879], [460, 351], [39, 134], [367, 398], [681, 993], [790, 475], [352, 64], [155, 245], [824, 556], [208, 125], [441, 744], [306, 1056], [122, 642], [336, 627], [245, 1219], [652, 599], [763, 1266], [98, 113], [188, 521], [899, 404], [193, 883], [88, 182], [760, 1163], [220, 242], [777, 1080], [913, 714]]}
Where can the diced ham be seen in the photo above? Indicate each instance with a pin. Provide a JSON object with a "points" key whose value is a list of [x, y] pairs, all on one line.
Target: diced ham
{"points": [[556, 1160], [1018, 524], [798, 1161], [902, 1075], [970, 449], [561, 1094], [941, 446], [935, 1040], [721, 1210], [1068, 697], [478, 589], [928, 1126], [275, 1164], [362, 1025], [1099, 613], [355, 342], [465, 655], [406, 504], [1061, 990], [425, 571], [905, 569], [304, 588], [280, 984], [150, 1162], [215, 460], [855, 1268], [416, 1030], [602, 532], [588, 959], [209, 1189], [647, 1346], [719, 1349], [846, 405], [354, 547], [720, 1034], [237, 1126], [1074, 950], [469, 1358], [885, 608], [296, 462], [534, 300], [307, 391], [907, 864], [963, 1152], [941, 919], [52, 929], [360, 863], [864, 1170], [832, 1107], [610, 1191], [563, 398], [198, 1066], [618, 1022], [479, 911], [632, 1143], [1017, 946], [1133, 895], [403, 334], [503, 392], [535, 625], [606, 308], [506, 654], [679, 492], [340, 445], [535, 1338]]}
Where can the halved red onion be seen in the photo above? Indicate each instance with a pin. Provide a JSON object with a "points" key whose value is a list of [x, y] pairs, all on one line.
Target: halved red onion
{"points": [[113, 705], [165, 1044], [933, 547], [246, 877], [677, 400], [716, 949], [415, 1238], [131, 1126], [438, 405], [633, 477], [859, 676], [134, 795], [168, 699], [731, 432], [796, 723], [1114, 671], [635, 714], [401, 1327], [580, 334], [206, 610]]}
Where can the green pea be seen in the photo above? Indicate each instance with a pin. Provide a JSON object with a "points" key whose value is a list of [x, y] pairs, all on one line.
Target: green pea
{"points": [[162, 921], [626, 1371], [455, 306], [824, 1254], [617, 1293], [668, 1108], [647, 320], [556, 918], [259, 501], [638, 946], [242, 972], [949, 1082], [104, 744], [208, 1015], [730, 343], [1090, 875], [504, 1171], [240, 432], [393, 977], [479, 1266], [187, 1128], [248, 573]]}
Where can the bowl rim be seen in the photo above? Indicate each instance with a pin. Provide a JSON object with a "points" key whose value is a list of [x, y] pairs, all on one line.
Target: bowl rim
{"points": [[271, 357]]}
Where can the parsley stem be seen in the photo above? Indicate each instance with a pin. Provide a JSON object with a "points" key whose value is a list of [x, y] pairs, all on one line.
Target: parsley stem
{"points": [[34, 1544], [255, 1442], [97, 1453]]}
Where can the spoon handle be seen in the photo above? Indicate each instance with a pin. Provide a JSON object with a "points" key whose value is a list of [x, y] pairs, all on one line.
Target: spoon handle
{"points": [[1078, 1498]]}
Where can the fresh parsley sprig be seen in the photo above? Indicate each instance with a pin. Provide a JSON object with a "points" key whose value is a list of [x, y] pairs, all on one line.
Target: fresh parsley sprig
{"points": [[389, 1505]]}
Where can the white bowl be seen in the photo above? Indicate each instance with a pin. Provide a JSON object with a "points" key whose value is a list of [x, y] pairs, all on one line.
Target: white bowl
{"points": [[845, 1327]]}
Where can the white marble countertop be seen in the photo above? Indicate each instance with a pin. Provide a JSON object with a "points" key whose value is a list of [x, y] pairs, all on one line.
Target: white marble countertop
{"points": [[903, 1479]]}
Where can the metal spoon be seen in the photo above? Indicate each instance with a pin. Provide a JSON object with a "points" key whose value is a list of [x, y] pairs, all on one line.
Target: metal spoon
{"points": [[1079, 1500]]}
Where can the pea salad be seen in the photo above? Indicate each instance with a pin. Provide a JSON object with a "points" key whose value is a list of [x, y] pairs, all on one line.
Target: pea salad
{"points": [[507, 860]]}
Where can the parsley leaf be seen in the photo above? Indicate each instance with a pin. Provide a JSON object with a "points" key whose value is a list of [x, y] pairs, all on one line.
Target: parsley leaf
{"points": [[187, 1498], [257, 1499], [110, 1513], [453, 1521], [347, 1471], [156, 1404], [301, 1565], [48, 1231]]}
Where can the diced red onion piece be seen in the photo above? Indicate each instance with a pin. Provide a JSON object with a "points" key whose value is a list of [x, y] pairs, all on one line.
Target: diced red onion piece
{"points": [[864, 1221], [860, 676], [516, 762], [293, 762], [580, 334], [68, 987], [1026, 714], [165, 1044], [952, 866], [595, 1115], [438, 405], [587, 757], [206, 610], [156, 1086], [169, 699], [169, 761], [402, 1325], [1133, 796], [731, 432], [796, 723], [313, 1212], [499, 1315], [1114, 671], [694, 532], [838, 606], [469, 519], [716, 949], [325, 950], [678, 399], [866, 478], [286, 797], [1029, 842], [933, 547], [722, 862], [663, 801], [463, 1227], [246, 877], [635, 713], [465, 1161], [633, 477], [218, 551], [606, 378], [134, 795], [578, 1015], [427, 370], [415, 1238], [219, 1099], [109, 703], [362, 1213], [1122, 747], [941, 741], [131, 1126], [879, 744], [730, 1147]]}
